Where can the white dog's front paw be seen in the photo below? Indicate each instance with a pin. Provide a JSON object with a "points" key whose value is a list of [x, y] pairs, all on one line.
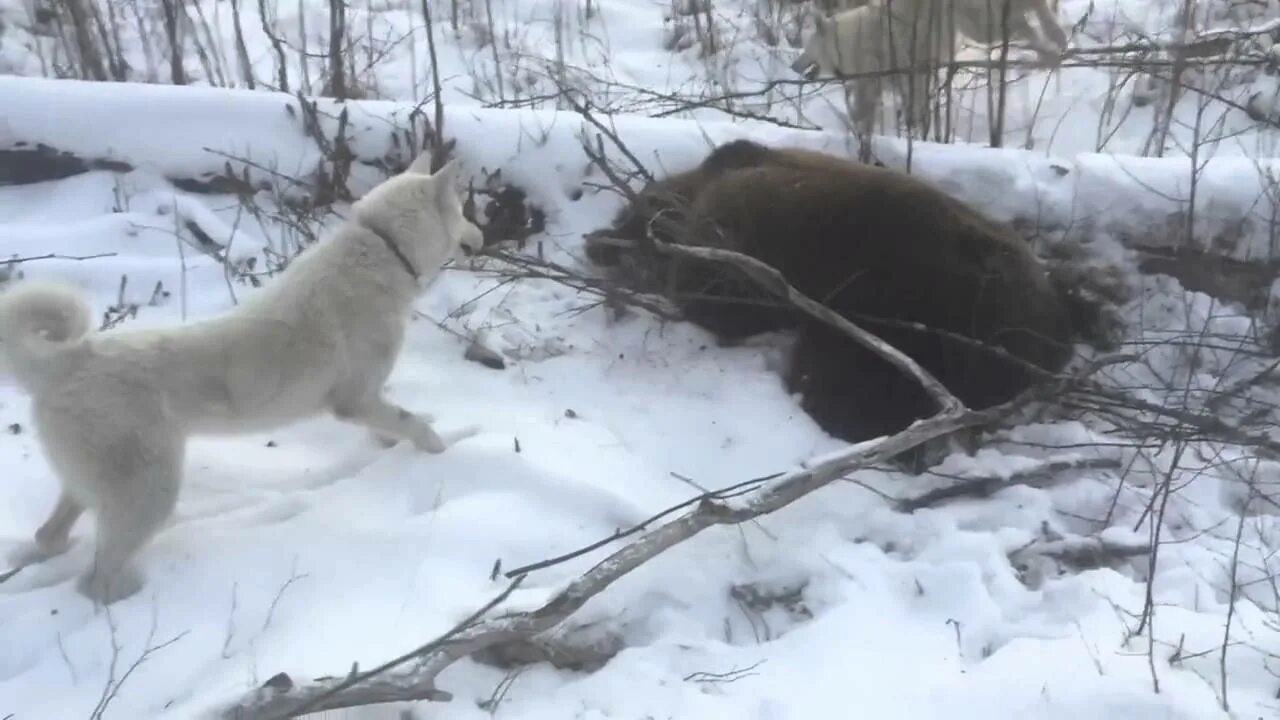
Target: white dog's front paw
{"points": [[453, 437], [431, 441], [428, 441]]}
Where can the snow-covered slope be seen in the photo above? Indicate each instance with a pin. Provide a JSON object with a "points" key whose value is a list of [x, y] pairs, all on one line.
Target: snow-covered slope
{"points": [[307, 549]]}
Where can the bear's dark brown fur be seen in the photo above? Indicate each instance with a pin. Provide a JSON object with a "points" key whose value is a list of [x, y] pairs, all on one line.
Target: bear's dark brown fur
{"points": [[872, 244]]}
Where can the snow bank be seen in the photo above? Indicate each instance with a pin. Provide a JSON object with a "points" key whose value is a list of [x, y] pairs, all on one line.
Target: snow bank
{"points": [[195, 132]]}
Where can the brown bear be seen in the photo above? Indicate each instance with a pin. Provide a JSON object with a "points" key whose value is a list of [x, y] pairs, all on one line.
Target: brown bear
{"points": [[882, 248]]}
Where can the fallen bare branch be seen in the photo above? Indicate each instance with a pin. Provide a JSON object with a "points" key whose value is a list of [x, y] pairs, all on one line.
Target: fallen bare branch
{"points": [[1082, 553], [986, 486], [279, 698], [564, 653], [418, 683], [721, 494]]}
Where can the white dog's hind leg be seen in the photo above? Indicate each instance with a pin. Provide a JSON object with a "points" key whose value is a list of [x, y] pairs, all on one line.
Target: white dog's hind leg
{"points": [[125, 524], [53, 537], [137, 484]]}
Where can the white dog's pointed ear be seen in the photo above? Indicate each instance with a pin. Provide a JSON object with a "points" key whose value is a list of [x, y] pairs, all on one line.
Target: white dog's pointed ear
{"points": [[421, 165], [445, 182], [447, 173]]}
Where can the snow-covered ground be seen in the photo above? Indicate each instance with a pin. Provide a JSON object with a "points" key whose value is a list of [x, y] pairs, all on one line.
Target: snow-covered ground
{"points": [[307, 549]]}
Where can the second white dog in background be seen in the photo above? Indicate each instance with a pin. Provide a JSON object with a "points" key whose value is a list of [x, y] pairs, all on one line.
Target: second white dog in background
{"points": [[905, 42], [114, 409]]}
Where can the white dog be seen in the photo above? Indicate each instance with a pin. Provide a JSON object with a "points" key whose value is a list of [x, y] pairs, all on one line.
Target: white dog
{"points": [[113, 410], [904, 42]]}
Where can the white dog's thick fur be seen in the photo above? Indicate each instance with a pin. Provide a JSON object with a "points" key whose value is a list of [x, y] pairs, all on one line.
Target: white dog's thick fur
{"points": [[882, 39], [113, 410]]}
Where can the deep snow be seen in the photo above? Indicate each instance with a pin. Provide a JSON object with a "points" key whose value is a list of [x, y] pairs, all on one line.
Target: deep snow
{"points": [[306, 549]]}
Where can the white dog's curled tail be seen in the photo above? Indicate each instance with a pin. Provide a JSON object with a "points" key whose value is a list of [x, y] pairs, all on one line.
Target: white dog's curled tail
{"points": [[40, 319]]}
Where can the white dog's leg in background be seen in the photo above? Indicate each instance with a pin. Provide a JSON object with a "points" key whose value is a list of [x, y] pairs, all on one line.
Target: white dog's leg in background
{"points": [[865, 96], [1048, 17], [54, 536]]}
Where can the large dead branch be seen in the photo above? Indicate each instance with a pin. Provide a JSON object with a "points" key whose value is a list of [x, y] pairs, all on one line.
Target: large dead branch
{"points": [[274, 699], [987, 485], [418, 682]]}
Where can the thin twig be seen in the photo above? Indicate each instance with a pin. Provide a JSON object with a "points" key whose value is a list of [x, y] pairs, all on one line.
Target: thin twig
{"points": [[55, 256]]}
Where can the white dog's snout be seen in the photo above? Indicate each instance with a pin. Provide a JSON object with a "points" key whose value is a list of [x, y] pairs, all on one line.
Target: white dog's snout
{"points": [[472, 240]]}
